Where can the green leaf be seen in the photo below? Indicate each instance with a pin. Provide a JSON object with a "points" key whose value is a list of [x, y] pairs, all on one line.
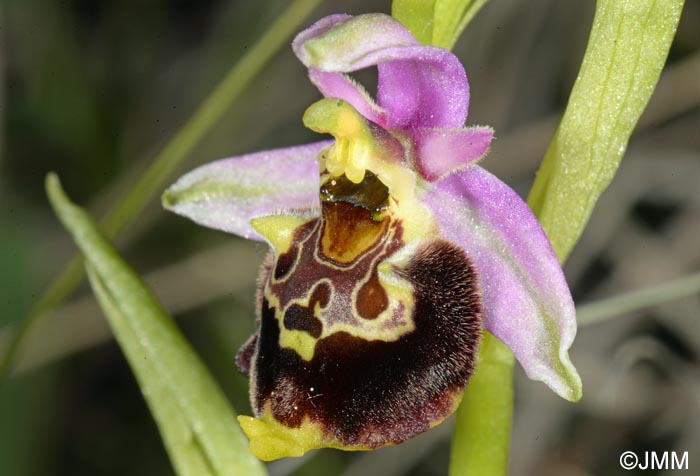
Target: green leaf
{"points": [[451, 18], [436, 22], [417, 16], [626, 52], [197, 423], [482, 434]]}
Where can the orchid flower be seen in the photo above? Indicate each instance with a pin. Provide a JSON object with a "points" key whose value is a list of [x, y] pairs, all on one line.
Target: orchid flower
{"points": [[391, 251]]}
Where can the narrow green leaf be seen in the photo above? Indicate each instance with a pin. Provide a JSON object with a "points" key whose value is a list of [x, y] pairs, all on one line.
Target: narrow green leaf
{"points": [[187, 457], [436, 22], [482, 434], [197, 423], [626, 52]]}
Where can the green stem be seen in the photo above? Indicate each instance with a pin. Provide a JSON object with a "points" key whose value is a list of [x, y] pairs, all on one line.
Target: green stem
{"points": [[638, 299], [482, 434], [163, 164]]}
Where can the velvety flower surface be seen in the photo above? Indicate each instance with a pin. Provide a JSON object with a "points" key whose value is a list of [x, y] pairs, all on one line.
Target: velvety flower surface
{"points": [[391, 250]]}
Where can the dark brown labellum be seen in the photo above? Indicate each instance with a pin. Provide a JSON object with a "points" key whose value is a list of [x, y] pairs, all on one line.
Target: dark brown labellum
{"points": [[367, 339]]}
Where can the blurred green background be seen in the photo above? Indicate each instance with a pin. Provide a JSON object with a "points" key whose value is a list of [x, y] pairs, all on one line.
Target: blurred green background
{"points": [[92, 90]]}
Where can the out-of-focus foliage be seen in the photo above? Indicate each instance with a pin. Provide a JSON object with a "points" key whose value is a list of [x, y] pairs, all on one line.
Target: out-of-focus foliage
{"points": [[133, 200]]}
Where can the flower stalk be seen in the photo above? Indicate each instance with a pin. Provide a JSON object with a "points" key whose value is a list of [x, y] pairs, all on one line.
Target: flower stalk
{"points": [[484, 418]]}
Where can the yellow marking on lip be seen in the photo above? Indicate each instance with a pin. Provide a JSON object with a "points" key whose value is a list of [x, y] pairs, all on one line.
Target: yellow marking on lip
{"points": [[279, 230], [399, 292], [271, 440], [386, 327], [300, 342]]}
